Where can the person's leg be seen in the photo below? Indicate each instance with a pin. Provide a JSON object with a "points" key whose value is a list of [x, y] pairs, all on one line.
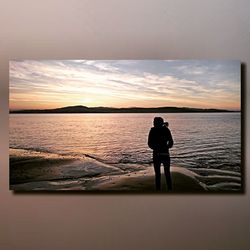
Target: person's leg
{"points": [[166, 164], [157, 168]]}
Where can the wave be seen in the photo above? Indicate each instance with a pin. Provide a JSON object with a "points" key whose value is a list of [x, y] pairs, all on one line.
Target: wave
{"points": [[34, 149], [225, 186], [218, 180], [206, 171]]}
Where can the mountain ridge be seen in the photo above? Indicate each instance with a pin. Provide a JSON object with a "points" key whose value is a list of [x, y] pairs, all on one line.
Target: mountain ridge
{"points": [[101, 109]]}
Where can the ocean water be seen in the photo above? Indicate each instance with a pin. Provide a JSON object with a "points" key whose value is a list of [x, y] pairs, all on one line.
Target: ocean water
{"points": [[202, 141]]}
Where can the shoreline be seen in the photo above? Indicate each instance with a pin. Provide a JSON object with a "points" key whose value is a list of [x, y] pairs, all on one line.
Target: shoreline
{"points": [[41, 171], [53, 172]]}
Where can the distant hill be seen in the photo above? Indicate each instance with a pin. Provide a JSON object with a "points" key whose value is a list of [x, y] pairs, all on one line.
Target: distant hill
{"points": [[84, 109]]}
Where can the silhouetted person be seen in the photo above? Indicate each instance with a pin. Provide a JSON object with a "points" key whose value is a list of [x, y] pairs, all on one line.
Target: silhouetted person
{"points": [[160, 140]]}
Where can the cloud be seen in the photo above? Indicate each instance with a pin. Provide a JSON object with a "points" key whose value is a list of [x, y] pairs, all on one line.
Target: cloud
{"points": [[205, 83]]}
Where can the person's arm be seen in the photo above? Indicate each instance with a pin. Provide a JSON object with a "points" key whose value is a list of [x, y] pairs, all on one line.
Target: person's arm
{"points": [[150, 139], [170, 140]]}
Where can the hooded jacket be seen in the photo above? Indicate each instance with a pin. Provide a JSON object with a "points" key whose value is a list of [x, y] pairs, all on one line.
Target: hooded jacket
{"points": [[160, 139]]}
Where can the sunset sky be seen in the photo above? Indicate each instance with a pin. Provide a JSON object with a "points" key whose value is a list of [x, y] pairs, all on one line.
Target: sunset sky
{"points": [[124, 83]]}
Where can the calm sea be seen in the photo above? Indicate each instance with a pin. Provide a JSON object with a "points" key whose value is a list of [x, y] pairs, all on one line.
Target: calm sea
{"points": [[201, 140]]}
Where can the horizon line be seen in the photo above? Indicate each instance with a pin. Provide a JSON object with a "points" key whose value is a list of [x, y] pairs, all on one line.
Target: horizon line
{"points": [[132, 107]]}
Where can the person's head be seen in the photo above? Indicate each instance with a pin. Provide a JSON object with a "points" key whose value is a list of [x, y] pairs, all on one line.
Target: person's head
{"points": [[158, 122]]}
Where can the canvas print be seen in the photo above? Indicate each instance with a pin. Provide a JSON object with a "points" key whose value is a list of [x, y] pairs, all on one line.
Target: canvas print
{"points": [[137, 126]]}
